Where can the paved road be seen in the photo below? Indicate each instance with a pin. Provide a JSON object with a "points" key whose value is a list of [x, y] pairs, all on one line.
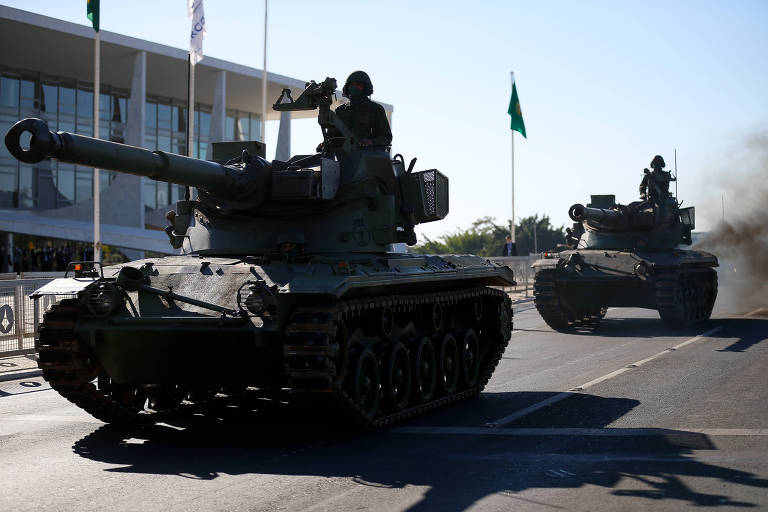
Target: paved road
{"points": [[629, 418]]}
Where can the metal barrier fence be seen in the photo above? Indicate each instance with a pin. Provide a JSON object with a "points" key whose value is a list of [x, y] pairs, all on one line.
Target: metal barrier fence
{"points": [[19, 314], [521, 265]]}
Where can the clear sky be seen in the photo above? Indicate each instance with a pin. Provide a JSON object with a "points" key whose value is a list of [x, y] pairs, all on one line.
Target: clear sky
{"points": [[603, 85]]}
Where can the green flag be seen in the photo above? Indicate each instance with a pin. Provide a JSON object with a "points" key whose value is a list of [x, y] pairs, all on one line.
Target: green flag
{"points": [[514, 112], [92, 10]]}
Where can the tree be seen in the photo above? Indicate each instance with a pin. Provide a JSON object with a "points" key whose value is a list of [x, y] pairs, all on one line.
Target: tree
{"points": [[486, 238]]}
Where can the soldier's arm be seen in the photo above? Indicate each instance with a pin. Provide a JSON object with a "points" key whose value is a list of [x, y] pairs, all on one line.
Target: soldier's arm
{"points": [[382, 132]]}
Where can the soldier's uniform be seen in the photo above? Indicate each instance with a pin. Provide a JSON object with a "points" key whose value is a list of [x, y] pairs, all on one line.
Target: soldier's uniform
{"points": [[365, 119]]}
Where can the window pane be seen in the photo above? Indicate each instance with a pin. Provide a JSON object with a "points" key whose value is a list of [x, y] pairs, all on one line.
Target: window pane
{"points": [[203, 151], [65, 183], [179, 119], [150, 193], [27, 186], [66, 109], [28, 95], [162, 194], [229, 128], [163, 117], [9, 92], [163, 143], [150, 111], [84, 184], [67, 100], [255, 127], [243, 128], [49, 104], [204, 132], [84, 112], [120, 110], [8, 186]]}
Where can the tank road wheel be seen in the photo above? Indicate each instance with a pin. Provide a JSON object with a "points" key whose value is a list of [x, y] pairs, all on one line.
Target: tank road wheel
{"points": [[549, 305], [449, 365], [367, 387], [435, 312], [397, 378], [470, 358], [425, 371], [387, 321]]}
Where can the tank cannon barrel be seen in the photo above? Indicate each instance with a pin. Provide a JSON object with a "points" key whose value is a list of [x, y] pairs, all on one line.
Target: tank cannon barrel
{"points": [[79, 149], [612, 218]]}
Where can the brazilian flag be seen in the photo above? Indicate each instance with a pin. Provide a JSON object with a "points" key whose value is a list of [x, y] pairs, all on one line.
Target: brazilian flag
{"points": [[92, 9], [514, 112]]}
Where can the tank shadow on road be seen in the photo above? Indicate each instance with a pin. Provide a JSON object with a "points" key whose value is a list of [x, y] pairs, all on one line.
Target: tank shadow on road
{"points": [[458, 470], [747, 331]]}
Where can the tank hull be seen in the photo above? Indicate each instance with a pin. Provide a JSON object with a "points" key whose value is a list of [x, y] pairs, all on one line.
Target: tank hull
{"points": [[574, 288], [337, 324]]}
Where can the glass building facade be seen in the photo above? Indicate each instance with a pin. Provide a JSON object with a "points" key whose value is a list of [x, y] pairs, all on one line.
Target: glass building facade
{"points": [[68, 105]]}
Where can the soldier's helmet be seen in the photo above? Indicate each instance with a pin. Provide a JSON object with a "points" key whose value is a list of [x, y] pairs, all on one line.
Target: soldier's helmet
{"points": [[657, 162], [358, 76]]}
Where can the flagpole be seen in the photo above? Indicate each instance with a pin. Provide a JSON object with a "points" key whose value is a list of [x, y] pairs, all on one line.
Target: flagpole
{"points": [[264, 83], [96, 183], [190, 113], [512, 221]]}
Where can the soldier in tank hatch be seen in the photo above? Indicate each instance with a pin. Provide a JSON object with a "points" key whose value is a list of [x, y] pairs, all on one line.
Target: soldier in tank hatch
{"points": [[656, 181], [365, 119]]}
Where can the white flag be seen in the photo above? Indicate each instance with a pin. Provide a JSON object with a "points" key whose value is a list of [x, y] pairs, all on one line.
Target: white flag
{"points": [[197, 15]]}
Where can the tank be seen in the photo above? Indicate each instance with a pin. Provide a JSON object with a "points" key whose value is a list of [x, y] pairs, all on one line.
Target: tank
{"points": [[286, 286], [629, 256]]}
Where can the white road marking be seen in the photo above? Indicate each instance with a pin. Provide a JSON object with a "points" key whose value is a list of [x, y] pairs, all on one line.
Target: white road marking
{"points": [[565, 394], [583, 432], [49, 418]]}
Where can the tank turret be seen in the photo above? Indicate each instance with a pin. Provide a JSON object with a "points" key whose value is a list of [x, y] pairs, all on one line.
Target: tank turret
{"points": [[343, 199], [656, 221]]}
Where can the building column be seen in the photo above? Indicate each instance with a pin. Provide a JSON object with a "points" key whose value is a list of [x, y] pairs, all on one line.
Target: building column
{"points": [[132, 198], [136, 105], [283, 150], [219, 115]]}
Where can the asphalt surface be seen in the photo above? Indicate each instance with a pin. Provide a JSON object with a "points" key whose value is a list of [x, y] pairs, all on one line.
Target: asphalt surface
{"points": [[630, 417]]}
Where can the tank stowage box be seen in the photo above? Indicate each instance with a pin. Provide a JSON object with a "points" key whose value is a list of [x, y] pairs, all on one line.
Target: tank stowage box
{"points": [[284, 286], [628, 256]]}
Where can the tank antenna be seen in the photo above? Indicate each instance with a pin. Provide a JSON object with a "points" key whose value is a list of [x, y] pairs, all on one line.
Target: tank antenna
{"points": [[676, 196]]}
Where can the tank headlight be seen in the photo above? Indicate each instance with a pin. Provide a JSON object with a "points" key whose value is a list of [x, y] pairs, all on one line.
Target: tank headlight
{"points": [[102, 298], [256, 297], [254, 302], [641, 269]]}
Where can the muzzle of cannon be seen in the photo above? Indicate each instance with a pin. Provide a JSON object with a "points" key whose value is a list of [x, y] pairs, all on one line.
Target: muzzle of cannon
{"points": [[79, 149], [609, 218]]}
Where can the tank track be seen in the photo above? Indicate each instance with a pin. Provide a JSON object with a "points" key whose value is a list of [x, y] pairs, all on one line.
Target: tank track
{"points": [[685, 296], [321, 368], [70, 370], [317, 361], [558, 315]]}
